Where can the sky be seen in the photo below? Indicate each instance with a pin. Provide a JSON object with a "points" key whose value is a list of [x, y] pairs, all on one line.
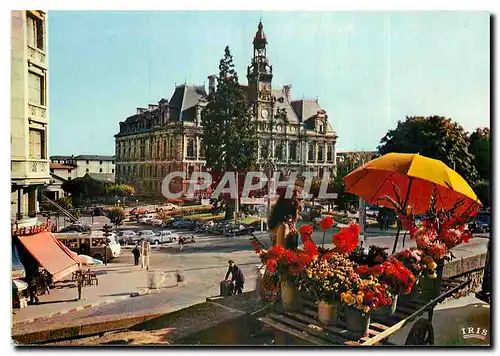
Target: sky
{"points": [[367, 69]]}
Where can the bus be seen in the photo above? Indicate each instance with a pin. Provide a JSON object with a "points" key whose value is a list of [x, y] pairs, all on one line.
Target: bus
{"points": [[91, 244]]}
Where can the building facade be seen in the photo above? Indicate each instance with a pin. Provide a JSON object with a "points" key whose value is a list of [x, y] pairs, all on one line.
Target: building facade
{"points": [[293, 135], [83, 164], [29, 110]]}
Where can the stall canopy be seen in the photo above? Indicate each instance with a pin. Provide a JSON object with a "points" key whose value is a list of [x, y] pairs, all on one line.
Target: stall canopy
{"points": [[51, 254], [18, 270]]}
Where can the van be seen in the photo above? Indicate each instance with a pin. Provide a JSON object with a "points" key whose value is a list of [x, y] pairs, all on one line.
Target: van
{"points": [[93, 246]]}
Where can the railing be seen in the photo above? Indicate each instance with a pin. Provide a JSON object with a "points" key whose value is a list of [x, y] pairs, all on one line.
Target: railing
{"points": [[37, 111], [36, 56], [30, 168]]}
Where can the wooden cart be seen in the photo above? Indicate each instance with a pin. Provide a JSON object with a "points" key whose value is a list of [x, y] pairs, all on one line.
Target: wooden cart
{"points": [[302, 327]]}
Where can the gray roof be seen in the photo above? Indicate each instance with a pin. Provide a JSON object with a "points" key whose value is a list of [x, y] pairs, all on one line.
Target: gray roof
{"points": [[307, 109], [94, 158], [106, 177], [290, 113], [184, 100], [59, 158]]}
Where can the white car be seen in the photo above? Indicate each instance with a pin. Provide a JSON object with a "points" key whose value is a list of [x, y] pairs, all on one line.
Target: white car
{"points": [[165, 236], [144, 219], [169, 206], [155, 222], [126, 236]]}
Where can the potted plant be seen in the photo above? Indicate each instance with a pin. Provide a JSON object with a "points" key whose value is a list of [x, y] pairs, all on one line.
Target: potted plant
{"points": [[364, 296], [411, 258], [326, 277], [398, 279]]}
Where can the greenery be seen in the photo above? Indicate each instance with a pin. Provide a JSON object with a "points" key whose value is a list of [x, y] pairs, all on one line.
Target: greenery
{"points": [[116, 215], [229, 134], [86, 190], [480, 147], [65, 202], [349, 163], [435, 137]]}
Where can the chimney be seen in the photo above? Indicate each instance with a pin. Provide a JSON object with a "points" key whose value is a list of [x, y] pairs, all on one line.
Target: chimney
{"points": [[152, 107], [141, 110], [287, 90], [211, 84]]}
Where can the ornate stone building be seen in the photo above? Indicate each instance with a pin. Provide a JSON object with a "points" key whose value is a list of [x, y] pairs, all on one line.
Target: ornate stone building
{"points": [[294, 135]]}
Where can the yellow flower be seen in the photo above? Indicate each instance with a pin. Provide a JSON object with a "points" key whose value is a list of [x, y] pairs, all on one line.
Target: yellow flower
{"points": [[366, 308]]}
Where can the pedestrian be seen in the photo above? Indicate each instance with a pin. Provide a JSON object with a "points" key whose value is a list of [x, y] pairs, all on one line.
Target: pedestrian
{"points": [[31, 277], [137, 253], [181, 242], [145, 251], [237, 277], [386, 222], [380, 220]]}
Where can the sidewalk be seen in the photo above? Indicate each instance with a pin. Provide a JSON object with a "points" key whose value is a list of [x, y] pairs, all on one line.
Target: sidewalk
{"points": [[117, 281]]}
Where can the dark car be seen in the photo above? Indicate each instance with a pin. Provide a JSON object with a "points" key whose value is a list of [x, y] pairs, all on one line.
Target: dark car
{"points": [[481, 223], [76, 228]]}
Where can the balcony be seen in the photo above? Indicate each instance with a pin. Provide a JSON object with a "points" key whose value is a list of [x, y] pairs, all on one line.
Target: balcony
{"points": [[30, 171], [37, 57]]}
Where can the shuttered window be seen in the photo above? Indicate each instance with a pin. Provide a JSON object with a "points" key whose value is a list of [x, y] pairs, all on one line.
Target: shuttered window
{"points": [[35, 31], [36, 89], [37, 144]]}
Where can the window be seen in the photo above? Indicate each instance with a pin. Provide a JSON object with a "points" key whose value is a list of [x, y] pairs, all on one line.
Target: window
{"points": [[36, 88], [87, 170], [329, 154], [112, 162], [320, 152], [278, 150], [35, 31], [100, 162], [69, 178], [191, 148], [87, 161], [310, 152], [264, 149], [100, 170], [293, 150], [112, 171], [69, 170], [37, 144]]}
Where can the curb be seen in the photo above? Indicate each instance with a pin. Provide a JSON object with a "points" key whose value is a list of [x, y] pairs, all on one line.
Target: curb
{"points": [[87, 306]]}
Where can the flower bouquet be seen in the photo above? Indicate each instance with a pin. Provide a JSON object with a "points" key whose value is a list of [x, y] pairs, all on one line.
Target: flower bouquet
{"points": [[364, 296]]}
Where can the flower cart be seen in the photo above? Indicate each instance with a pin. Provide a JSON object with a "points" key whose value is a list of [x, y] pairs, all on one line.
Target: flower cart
{"points": [[347, 297]]}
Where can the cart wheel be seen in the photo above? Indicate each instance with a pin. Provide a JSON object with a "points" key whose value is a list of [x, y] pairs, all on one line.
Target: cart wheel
{"points": [[422, 333]]}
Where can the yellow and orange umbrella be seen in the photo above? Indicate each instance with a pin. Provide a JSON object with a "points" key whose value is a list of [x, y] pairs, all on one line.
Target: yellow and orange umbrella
{"points": [[417, 178]]}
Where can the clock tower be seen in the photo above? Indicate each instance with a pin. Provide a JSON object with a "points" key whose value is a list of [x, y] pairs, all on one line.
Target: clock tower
{"points": [[259, 75]]}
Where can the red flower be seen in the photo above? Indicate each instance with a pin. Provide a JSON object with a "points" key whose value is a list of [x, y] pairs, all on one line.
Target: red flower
{"points": [[306, 232], [326, 223], [310, 248], [271, 265], [346, 240]]}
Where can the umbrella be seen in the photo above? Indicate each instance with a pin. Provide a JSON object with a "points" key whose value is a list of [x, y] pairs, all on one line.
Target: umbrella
{"points": [[410, 180]]}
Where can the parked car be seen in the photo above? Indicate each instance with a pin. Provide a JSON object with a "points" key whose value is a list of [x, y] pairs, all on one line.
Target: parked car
{"points": [[76, 228], [144, 219], [99, 212], [181, 224], [155, 222], [481, 222], [168, 207], [237, 229], [125, 237], [165, 236], [137, 211], [147, 235]]}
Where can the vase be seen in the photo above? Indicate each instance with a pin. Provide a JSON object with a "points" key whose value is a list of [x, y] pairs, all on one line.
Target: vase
{"points": [[290, 296], [386, 310], [431, 287], [327, 311], [356, 321]]}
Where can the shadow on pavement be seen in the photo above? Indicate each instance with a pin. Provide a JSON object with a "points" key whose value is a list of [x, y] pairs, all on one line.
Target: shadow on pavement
{"points": [[57, 301]]}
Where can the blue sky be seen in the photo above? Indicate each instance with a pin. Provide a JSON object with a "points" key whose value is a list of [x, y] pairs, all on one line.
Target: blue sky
{"points": [[368, 69]]}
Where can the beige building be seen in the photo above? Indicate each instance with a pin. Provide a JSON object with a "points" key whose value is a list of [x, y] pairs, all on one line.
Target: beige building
{"points": [[83, 164], [29, 109], [295, 135]]}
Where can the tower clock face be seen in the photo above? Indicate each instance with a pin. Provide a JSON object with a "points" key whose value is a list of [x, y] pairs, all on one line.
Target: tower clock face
{"points": [[264, 113]]}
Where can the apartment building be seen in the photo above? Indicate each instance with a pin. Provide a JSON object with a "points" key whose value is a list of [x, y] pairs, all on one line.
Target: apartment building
{"points": [[29, 110]]}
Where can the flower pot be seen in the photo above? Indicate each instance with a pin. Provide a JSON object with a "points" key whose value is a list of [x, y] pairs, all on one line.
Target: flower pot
{"points": [[356, 321], [327, 312], [290, 295], [386, 310], [431, 287]]}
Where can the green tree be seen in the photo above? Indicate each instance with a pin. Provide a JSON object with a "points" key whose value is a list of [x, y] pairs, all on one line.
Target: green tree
{"points": [[480, 147], [435, 137], [229, 133], [116, 215]]}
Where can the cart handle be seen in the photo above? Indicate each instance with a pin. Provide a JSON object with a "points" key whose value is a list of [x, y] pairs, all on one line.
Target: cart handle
{"points": [[386, 333]]}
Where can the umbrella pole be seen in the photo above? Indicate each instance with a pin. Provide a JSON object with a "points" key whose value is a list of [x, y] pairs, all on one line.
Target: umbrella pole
{"points": [[404, 237], [404, 209]]}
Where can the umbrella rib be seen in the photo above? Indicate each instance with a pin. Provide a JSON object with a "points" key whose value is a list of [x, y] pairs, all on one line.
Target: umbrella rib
{"points": [[356, 182], [380, 187]]}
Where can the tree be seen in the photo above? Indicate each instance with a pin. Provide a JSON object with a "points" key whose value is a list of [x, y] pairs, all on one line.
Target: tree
{"points": [[435, 137], [229, 134], [348, 163], [480, 147], [116, 215]]}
